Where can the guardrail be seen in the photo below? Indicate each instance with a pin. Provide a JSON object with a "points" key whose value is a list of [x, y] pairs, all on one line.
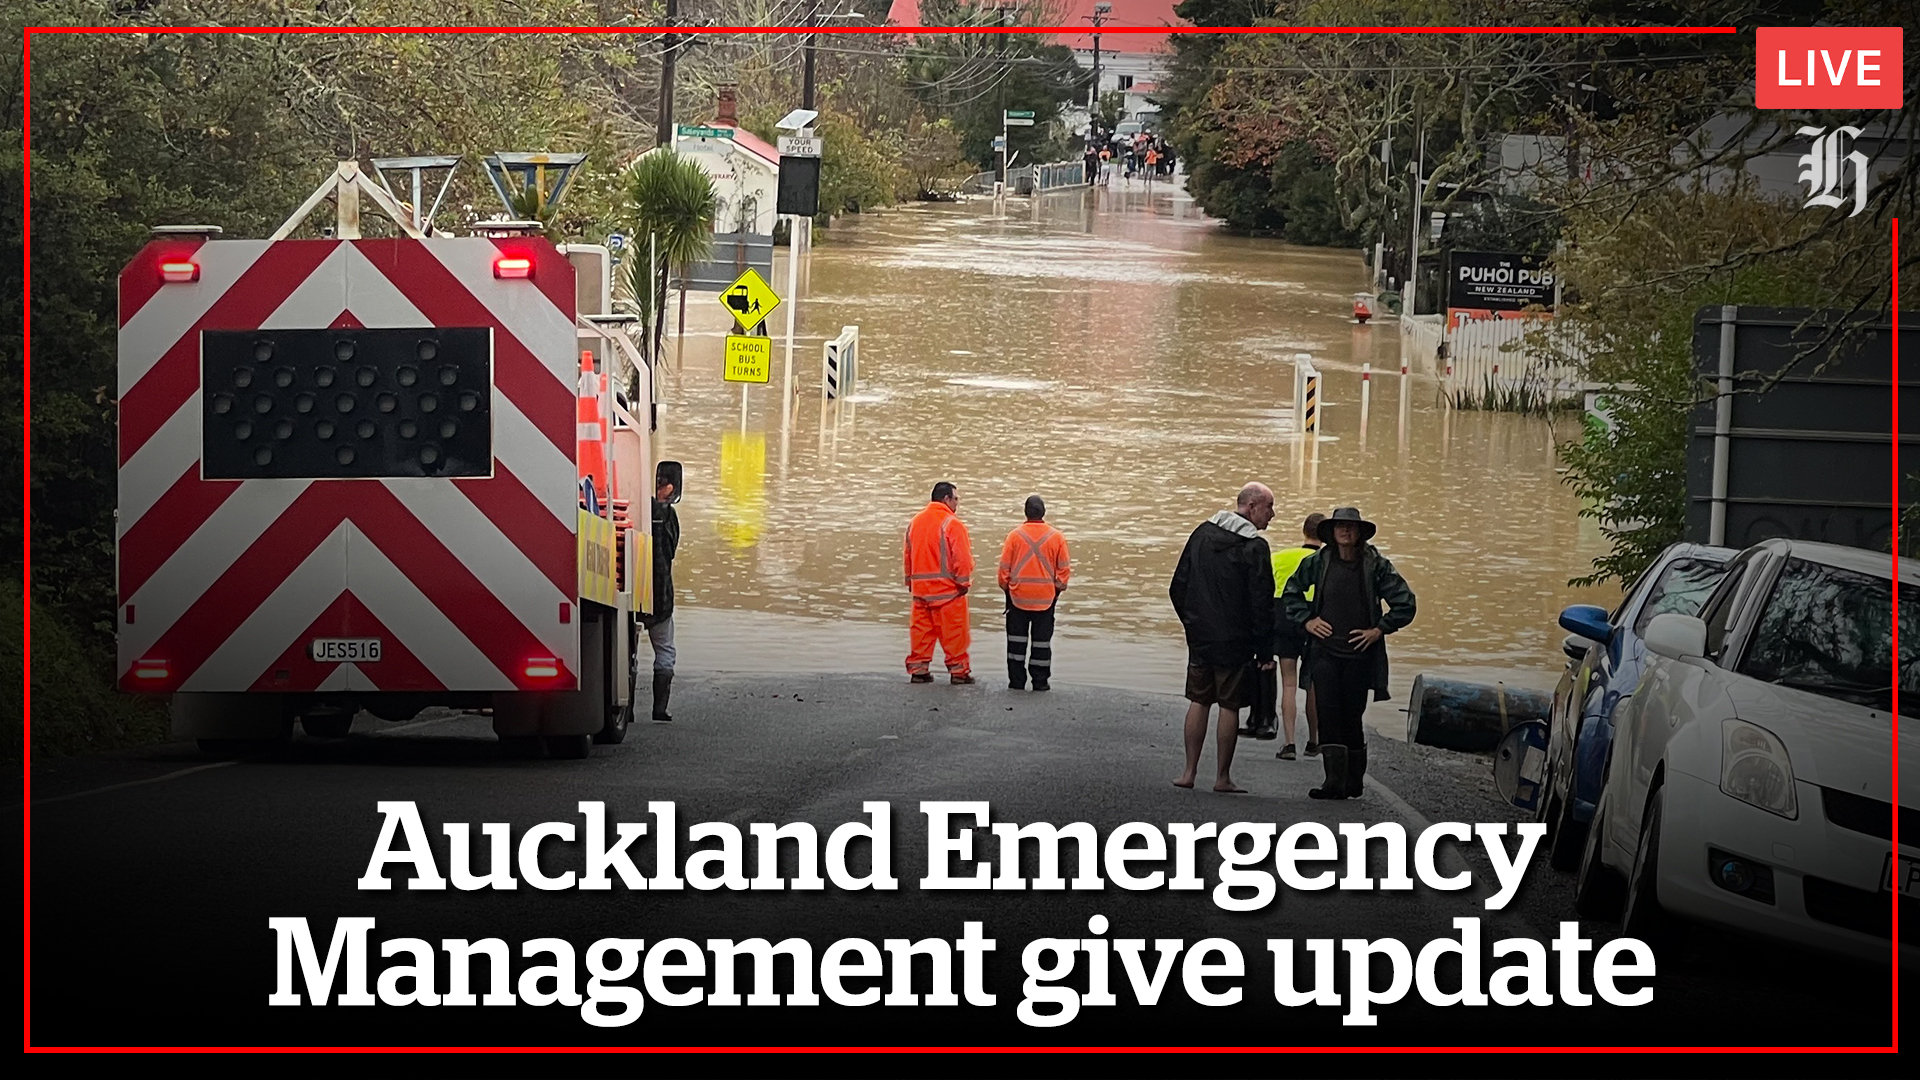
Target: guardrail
{"points": [[1028, 178], [1062, 174], [840, 363]]}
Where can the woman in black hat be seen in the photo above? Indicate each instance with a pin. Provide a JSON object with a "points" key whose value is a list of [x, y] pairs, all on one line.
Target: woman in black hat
{"points": [[1346, 626]]}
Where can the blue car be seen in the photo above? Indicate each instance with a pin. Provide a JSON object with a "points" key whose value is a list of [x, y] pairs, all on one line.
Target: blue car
{"points": [[1606, 657]]}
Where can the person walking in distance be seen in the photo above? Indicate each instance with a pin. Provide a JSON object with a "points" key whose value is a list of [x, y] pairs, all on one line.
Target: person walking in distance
{"points": [[659, 622], [1290, 641], [1033, 574], [939, 571], [1346, 651], [1223, 592]]}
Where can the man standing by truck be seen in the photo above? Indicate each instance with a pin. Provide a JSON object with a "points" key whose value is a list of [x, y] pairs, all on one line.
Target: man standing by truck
{"points": [[659, 622]]}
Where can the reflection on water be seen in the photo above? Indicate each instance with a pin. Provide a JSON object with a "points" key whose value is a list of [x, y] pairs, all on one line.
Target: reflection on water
{"points": [[1133, 365], [740, 505]]}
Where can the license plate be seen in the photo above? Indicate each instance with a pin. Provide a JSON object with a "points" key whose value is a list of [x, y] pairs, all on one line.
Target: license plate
{"points": [[345, 650], [1906, 879]]}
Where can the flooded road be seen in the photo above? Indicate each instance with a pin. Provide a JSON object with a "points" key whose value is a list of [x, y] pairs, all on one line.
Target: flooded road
{"points": [[1120, 356]]}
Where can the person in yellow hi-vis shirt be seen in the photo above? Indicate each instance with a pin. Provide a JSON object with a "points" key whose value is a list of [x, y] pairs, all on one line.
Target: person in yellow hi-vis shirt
{"points": [[1290, 641]]}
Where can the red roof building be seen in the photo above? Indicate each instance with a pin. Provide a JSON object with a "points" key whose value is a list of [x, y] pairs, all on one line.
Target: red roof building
{"points": [[1078, 14]]}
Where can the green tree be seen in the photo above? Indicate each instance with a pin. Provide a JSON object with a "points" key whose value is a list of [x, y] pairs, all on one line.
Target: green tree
{"points": [[970, 79], [674, 204], [1107, 112], [1643, 278], [930, 156]]}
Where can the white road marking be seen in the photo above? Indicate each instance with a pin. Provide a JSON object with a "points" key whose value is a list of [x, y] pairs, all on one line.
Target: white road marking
{"points": [[1414, 817], [1457, 862], [174, 775]]}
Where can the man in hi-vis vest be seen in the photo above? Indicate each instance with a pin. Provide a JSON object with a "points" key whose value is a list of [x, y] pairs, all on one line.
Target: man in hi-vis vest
{"points": [[1033, 574], [939, 571]]}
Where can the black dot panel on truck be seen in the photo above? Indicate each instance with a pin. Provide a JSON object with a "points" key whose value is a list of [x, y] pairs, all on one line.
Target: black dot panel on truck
{"points": [[346, 403]]}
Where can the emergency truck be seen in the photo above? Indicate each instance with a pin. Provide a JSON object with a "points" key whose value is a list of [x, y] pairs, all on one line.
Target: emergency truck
{"points": [[381, 475]]}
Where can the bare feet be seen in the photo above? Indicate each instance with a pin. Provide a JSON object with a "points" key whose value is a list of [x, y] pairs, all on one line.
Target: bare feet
{"points": [[1227, 787], [1185, 781]]}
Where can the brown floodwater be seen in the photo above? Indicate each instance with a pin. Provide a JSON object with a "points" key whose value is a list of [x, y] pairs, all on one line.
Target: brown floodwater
{"points": [[1116, 353]]}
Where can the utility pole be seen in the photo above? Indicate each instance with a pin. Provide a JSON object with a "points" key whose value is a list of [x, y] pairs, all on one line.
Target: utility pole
{"points": [[1098, 18], [663, 130], [1001, 11], [1413, 251], [806, 78]]}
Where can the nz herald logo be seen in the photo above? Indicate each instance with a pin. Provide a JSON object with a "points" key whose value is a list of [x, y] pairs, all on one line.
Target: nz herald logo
{"points": [[1832, 168]]}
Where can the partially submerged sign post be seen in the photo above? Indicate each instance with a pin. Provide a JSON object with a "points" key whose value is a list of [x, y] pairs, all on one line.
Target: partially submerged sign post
{"points": [[749, 300], [798, 197], [1008, 118], [749, 359]]}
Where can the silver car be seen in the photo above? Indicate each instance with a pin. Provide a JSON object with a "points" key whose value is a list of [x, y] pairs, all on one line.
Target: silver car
{"points": [[1751, 783]]}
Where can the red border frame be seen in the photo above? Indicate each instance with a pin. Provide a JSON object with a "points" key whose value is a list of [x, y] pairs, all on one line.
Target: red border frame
{"points": [[26, 485]]}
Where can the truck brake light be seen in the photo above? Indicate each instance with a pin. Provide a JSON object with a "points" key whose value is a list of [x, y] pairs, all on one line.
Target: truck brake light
{"points": [[179, 270], [543, 667], [150, 670], [513, 266]]}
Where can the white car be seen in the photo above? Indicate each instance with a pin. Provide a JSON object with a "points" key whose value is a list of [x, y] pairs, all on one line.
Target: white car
{"points": [[1751, 780]]}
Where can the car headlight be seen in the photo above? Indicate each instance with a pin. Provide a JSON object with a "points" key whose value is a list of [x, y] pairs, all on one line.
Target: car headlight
{"points": [[1754, 768]]}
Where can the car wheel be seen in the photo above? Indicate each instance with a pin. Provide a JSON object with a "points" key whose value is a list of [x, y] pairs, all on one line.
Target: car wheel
{"points": [[1569, 837], [618, 721], [620, 718], [1597, 893], [1544, 811], [1642, 916]]}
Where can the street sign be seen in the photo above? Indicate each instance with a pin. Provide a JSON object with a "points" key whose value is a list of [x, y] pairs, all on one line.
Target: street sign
{"points": [[999, 142], [749, 299], [699, 131], [749, 359], [1019, 114], [616, 241], [799, 146], [1014, 121]]}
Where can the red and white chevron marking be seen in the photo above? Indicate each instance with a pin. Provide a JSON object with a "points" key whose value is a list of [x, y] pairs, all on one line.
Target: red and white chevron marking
{"points": [[226, 582]]}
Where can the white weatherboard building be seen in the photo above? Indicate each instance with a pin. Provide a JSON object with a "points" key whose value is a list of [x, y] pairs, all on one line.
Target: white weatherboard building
{"points": [[746, 177], [745, 170]]}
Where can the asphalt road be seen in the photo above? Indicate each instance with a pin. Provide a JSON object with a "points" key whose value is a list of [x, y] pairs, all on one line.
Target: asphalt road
{"points": [[154, 874]]}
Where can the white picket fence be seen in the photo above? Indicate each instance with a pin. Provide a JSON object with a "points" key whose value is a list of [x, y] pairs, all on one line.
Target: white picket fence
{"points": [[1420, 341], [1522, 365]]}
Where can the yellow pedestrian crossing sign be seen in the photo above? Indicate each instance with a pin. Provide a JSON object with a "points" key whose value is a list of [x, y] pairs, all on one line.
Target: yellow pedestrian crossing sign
{"points": [[749, 359], [749, 299]]}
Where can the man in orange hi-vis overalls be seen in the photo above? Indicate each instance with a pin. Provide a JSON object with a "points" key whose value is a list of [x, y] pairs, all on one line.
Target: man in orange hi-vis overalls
{"points": [[939, 573], [1033, 574]]}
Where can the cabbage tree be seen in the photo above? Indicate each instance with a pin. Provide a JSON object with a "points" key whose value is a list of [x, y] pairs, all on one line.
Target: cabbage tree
{"points": [[673, 205]]}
